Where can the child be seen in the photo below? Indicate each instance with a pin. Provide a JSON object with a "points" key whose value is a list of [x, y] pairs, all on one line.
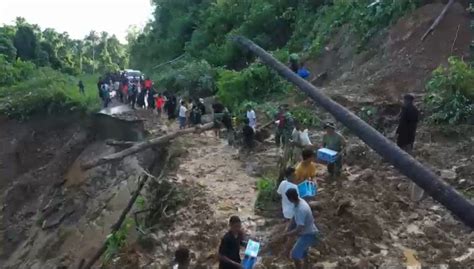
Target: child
{"points": [[285, 185], [229, 249], [182, 115], [306, 169]]}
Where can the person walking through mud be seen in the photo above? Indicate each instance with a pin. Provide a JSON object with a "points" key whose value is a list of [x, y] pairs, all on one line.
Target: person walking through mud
{"points": [[182, 115], [81, 87], [159, 102], [302, 226], [132, 95], [334, 141], [151, 93], [285, 124], [105, 94], [229, 248], [141, 97], [251, 117], [406, 132], [218, 110], [248, 134], [171, 107], [286, 184]]}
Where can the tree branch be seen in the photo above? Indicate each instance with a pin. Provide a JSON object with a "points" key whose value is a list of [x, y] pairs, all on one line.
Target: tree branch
{"points": [[137, 147], [438, 20]]}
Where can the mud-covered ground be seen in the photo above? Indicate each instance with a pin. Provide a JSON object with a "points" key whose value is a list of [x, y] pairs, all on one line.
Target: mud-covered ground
{"points": [[366, 217]]}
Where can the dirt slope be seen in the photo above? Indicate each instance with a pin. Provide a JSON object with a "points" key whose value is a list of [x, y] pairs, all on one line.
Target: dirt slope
{"points": [[395, 61]]}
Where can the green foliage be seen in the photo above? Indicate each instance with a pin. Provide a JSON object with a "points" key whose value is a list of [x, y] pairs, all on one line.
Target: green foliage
{"points": [[253, 83], [306, 117], [266, 193], [368, 114], [140, 202], [7, 49], [44, 91], [450, 96], [13, 72], [26, 43], [96, 53], [194, 79], [313, 28], [116, 241]]}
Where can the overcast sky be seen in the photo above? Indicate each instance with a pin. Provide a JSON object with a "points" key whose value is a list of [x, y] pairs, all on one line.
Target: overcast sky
{"points": [[78, 17]]}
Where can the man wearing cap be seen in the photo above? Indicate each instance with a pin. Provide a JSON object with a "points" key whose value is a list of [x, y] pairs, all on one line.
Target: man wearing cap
{"points": [[406, 132], [334, 141], [285, 124]]}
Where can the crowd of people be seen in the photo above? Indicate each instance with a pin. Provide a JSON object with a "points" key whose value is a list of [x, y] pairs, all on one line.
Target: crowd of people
{"points": [[289, 134]]}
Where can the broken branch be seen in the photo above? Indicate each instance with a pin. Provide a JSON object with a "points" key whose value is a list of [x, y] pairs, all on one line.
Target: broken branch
{"points": [[137, 147], [117, 143], [438, 19], [455, 39]]}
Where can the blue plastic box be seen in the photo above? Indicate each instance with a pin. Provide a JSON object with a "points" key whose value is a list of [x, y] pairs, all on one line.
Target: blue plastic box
{"points": [[249, 262], [251, 253], [327, 155], [307, 189]]}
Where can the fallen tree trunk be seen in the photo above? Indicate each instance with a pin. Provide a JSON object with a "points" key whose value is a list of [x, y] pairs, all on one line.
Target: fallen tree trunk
{"points": [[438, 20], [143, 145], [422, 176]]}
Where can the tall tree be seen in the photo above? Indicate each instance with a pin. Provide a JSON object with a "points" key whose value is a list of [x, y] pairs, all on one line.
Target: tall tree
{"points": [[26, 43]]}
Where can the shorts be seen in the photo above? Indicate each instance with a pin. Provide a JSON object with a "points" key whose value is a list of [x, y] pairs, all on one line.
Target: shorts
{"points": [[302, 245]]}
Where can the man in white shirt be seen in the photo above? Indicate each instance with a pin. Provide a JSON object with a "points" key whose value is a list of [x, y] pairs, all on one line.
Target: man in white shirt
{"points": [[287, 207], [182, 115], [251, 117]]}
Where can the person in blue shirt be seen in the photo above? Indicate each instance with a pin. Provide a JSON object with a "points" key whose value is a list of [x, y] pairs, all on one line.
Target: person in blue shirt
{"points": [[303, 72]]}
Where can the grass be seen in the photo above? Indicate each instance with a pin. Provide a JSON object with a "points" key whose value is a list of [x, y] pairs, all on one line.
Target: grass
{"points": [[48, 92]]}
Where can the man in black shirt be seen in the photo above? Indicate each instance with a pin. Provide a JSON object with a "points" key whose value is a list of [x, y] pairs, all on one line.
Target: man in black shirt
{"points": [[229, 249], [407, 124]]}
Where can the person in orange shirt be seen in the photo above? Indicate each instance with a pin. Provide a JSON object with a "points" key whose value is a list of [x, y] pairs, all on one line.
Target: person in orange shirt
{"points": [[306, 169]]}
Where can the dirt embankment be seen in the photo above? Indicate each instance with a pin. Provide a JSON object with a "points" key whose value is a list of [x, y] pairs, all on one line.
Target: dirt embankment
{"points": [[53, 213], [396, 61]]}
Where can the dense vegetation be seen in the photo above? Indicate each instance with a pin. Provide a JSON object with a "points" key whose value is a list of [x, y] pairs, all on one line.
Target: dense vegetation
{"points": [[40, 69], [48, 48], [200, 30], [451, 93]]}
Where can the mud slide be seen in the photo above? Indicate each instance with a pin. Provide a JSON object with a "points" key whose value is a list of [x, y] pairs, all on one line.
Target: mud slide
{"points": [[53, 213]]}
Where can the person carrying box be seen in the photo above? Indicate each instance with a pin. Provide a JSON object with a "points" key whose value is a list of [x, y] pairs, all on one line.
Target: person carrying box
{"points": [[303, 227], [334, 141], [229, 249]]}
